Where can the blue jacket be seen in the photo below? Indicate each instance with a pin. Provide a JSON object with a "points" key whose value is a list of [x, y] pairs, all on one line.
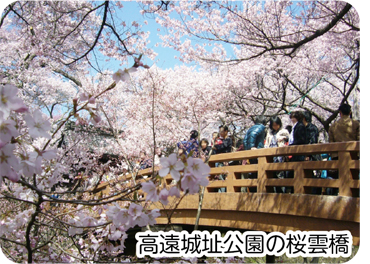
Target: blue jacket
{"points": [[191, 145], [255, 137]]}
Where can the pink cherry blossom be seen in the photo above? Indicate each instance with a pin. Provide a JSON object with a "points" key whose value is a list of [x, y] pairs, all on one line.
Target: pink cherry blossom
{"points": [[174, 191], [8, 162], [171, 165], [115, 235], [141, 220], [151, 190], [135, 209], [9, 100], [190, 182], [37, 125], [122, 217], [197, 167], [84, 97], [123, 75], [163, 196], [13, 176], [7, 129], [95, 118], [92, 100], [153, 215]]}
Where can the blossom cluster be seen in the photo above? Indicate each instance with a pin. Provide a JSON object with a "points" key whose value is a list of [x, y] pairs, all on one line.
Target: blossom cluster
{"points": [[16, 121], [189, 174]]}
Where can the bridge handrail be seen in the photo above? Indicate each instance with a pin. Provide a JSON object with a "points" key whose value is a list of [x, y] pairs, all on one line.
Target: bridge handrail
{"points": [[347, 165]]}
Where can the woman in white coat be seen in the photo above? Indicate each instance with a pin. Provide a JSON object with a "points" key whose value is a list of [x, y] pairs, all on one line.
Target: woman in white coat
{"points": [[277, 136]]}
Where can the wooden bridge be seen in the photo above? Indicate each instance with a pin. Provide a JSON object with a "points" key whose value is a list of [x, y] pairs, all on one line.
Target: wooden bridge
{"points": [[251, 204]]}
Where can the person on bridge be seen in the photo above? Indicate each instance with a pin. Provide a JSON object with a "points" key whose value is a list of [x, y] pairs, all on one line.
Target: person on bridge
{"points": [[312, 137], [297, 137], [222, 144], [215, 135], [205, 149], [190, 146], [277, 136], [345, 129], [298, 134], [254, 139], [312, 132]]}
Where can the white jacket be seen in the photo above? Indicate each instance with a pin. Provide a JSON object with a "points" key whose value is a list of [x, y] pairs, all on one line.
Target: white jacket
{"points": [[282, 136]]}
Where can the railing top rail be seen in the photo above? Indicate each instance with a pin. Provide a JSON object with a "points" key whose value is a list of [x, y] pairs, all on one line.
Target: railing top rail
{"points": [[353, 146], [287, 151]]}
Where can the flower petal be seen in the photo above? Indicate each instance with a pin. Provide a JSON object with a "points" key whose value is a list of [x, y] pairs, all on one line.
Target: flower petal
{"points": [[163, 172]]}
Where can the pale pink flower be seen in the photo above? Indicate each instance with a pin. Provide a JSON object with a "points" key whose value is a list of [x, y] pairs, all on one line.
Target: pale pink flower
{"points": [[113, 210], [95, 119], [9, 100], [50, 181], [171, 165], [7, 129], [115, 235], [21, 109], [153, 215], [2, 143], [135, 209], [190, 182], [13, 176], [163, 196], [122, 217], [31, 163], [151, 190], [123, 75], [28, 168], [74, 230], [197, 167], [84, 97], [141, 220], [8, 161], [37, 125], [92, 100], [89, 221], [174, 191], [203, 181]]}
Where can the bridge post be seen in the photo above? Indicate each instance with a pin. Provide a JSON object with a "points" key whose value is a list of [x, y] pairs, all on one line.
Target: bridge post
{"points": [[298, 179], [344, 173], [261, 175]]}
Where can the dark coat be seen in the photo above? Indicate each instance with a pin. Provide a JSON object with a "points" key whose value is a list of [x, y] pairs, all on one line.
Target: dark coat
{"points": [[299, 134], [206, 151], [255, 137], [224, 146], [312, 134]]}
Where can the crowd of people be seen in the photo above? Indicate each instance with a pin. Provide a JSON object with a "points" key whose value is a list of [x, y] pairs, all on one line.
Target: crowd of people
{"points": [[270, 134], [301, 132]]}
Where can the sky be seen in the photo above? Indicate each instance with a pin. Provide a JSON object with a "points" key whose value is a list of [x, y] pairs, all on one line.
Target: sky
{"points": [[166, 57]]}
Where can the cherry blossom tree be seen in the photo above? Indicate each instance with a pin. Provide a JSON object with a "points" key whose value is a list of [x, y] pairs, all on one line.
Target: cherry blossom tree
{"points": [[273, 53], [252, 58], [50, 211]]}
